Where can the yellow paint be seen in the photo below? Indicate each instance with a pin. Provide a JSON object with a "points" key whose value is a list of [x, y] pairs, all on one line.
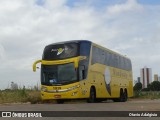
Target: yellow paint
{"points": [[119, 79], [34, 64], [64, 95], [57, 62]]}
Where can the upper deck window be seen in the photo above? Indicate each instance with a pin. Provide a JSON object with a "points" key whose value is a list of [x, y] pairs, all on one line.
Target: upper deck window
{"points": [[60, 51]]}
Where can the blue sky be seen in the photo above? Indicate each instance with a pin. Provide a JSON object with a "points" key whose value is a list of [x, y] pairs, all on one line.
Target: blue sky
{"points": [[100, 3], [96, 3], [40, 2], [103, 3], [149, 2], [130, 27]]}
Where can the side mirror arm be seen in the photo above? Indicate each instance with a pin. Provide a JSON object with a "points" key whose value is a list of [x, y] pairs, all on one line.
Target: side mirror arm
{"points": [[35, 63]]}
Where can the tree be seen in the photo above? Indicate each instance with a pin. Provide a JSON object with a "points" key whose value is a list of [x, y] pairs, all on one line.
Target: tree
{"points": [[155, 86], [14, 86], [138, 86], [149, 86]]}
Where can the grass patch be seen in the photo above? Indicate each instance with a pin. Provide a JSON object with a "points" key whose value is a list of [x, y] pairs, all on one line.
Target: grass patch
{"points": [[147, 94], [20, 96], [34, 96]]}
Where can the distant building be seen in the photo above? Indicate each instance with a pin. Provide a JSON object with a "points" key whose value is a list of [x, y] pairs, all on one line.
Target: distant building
{"points": [[138, 79], [146, 76], [155, 77]]}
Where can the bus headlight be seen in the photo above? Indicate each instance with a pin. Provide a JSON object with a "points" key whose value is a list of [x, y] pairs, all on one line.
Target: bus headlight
{"points": [[44, 89]]}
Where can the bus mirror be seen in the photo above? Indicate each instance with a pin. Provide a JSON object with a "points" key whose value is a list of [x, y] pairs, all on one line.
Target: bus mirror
{"points": [[76, 61], [34, 65], [34, 68], [76, 64]]}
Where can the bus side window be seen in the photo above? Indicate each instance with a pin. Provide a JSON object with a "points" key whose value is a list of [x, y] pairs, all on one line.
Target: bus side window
{"points": [[81, 72]]}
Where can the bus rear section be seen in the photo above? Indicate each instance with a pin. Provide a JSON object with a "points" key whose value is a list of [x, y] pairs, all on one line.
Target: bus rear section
{"points": [[111, 75]]}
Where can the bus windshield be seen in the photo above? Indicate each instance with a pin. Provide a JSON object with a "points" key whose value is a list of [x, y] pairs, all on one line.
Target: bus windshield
{"points": [[58, 74]]}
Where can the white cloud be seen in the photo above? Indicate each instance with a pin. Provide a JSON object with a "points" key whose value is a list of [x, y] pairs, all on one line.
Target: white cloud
{"points": [[9, 6], [2, 53], [129, 28], [130, 5]]}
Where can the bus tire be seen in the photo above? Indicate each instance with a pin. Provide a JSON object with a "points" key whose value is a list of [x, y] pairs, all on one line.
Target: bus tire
{"points": [[125, 95], [121, 97], [60, 101], [92, 97]]}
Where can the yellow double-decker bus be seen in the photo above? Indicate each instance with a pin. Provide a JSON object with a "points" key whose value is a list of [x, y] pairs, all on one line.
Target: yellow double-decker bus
{"points": [[81, 69]]}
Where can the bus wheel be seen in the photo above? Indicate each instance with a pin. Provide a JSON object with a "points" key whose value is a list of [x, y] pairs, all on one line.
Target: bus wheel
{"points": [[125, 95], [121, 98], [92, 97], [59, 101]]}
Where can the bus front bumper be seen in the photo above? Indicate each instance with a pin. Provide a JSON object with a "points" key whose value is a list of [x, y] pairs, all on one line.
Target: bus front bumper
{"points": [[51, 95]]}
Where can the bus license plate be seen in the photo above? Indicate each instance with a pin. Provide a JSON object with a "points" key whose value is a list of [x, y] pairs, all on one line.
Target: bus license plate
{"points": [[57, 96]]}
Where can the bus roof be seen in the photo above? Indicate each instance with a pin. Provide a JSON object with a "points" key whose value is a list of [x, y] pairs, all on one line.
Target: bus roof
{"points": [[78, 41], [70, 41]]}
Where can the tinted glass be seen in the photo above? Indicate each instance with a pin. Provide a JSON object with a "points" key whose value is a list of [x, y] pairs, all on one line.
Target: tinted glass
{"points": [[58, 74], [84, 51], [61, 51], [110, 59]]}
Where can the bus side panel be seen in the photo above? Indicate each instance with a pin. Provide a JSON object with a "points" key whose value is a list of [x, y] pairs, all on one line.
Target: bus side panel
{"points": [[97, 79], [108, 84]]}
